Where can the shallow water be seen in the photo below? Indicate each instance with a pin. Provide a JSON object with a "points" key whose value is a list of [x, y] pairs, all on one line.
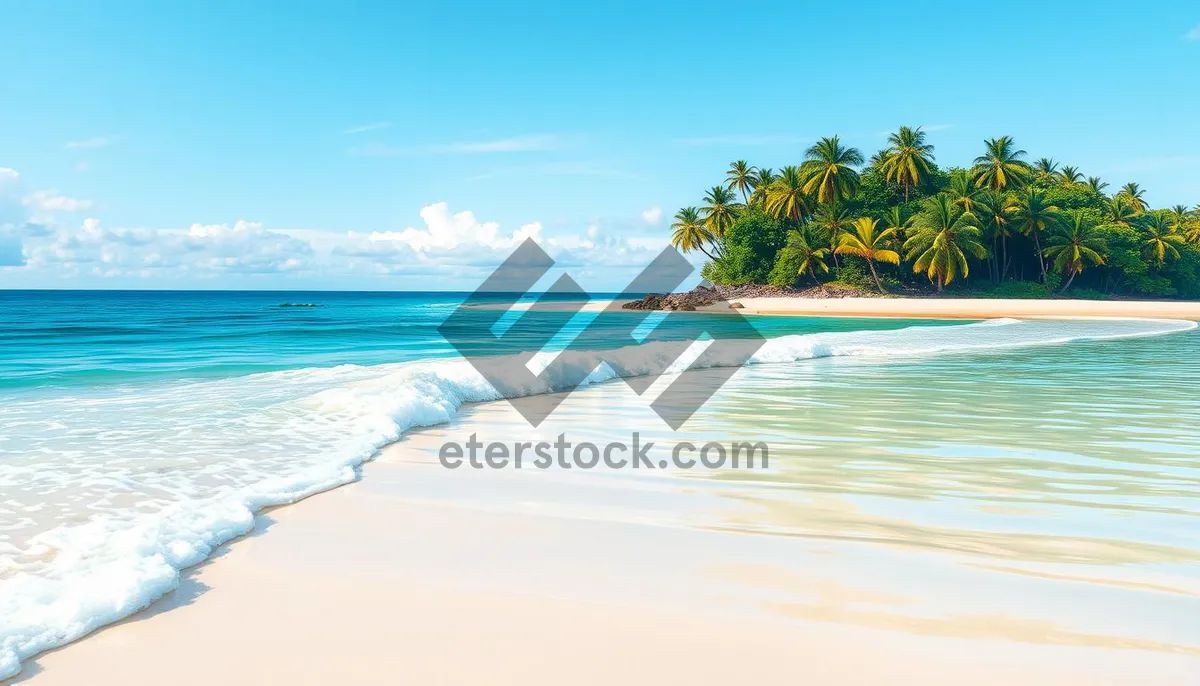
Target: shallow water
{"points": [[1044, 495]]}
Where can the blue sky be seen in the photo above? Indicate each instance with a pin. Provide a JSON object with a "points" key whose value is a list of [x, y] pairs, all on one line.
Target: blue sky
{"points": [[259, 145]]}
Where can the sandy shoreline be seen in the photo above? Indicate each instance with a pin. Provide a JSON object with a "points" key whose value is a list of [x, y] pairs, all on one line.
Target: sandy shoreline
{"points": [[968, 308], [937, 308], [437, 594]]}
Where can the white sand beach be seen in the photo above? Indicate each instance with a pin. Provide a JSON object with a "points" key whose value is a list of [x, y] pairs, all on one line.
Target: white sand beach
{"points": [[968, 308], [364, 585]]}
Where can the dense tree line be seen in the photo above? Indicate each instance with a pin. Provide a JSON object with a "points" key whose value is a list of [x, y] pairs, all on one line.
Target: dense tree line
{"points": [[1002, 226]]}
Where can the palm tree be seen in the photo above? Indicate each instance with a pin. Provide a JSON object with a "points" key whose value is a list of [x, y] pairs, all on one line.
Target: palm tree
{"points": [[1185, 223], [963, 191], [829, 170], [1163, 242], [996, 210], [1034, 217], [1135, 195], [833, 220], [761, 182], [867, 242], [741, 177], [907, 160], [897, 221], [690, 233], [785, 195], [720, 210], [1118, 211], [1001, 166], [1045, 168], [942, 241], [1096, 184], [1075, 247], [1070, 176], [808, 248]]}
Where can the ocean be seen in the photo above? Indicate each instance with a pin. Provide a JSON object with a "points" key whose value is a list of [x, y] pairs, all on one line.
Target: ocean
{"points": [[141, 430]]}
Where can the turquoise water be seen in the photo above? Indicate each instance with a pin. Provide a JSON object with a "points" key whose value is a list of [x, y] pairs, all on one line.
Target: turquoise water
{"points": [[140, 430], [87, 338]]}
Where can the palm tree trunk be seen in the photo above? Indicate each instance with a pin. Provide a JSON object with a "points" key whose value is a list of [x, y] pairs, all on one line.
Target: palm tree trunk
{"points": [[878, 283], [1037, 244], [939, 282], [1068, 283], [1004, 251], [994, 262]]}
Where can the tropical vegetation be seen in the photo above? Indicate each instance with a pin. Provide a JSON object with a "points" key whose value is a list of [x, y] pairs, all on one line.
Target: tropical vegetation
{"points": [[900, 222]]}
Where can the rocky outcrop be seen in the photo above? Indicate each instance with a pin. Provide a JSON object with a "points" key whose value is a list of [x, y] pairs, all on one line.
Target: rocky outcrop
{"points": [[706, 296]]}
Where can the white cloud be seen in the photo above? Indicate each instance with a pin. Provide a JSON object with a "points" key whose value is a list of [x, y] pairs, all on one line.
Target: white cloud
{"points": [[446, 239], [527, 143], [363, 128], [748, 139], [652, 216], [446, 250], [93, 142], [53, 201], [1194, 34], [450, 242], [201, 250]]}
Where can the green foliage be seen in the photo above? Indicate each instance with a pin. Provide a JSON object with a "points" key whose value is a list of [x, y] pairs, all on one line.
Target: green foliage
{"points": [[1076, 197], [853, 273], [977, 230], [1023, 290], [803, 256], [786, 272], [737, 266], [875, 195], [749, 247]]}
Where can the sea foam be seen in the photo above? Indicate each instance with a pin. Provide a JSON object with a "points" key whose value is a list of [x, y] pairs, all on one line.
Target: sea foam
{"points": [[111, 492]]}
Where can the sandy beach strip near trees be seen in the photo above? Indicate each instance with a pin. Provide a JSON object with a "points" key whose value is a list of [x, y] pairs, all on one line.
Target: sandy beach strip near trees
{"points": [[968, 308]]}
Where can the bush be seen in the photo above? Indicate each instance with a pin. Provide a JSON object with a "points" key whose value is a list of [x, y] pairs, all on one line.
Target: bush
{"points": [[786, 271], [735, 267], [1022, 290], [749, 250], [853, 273]]}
